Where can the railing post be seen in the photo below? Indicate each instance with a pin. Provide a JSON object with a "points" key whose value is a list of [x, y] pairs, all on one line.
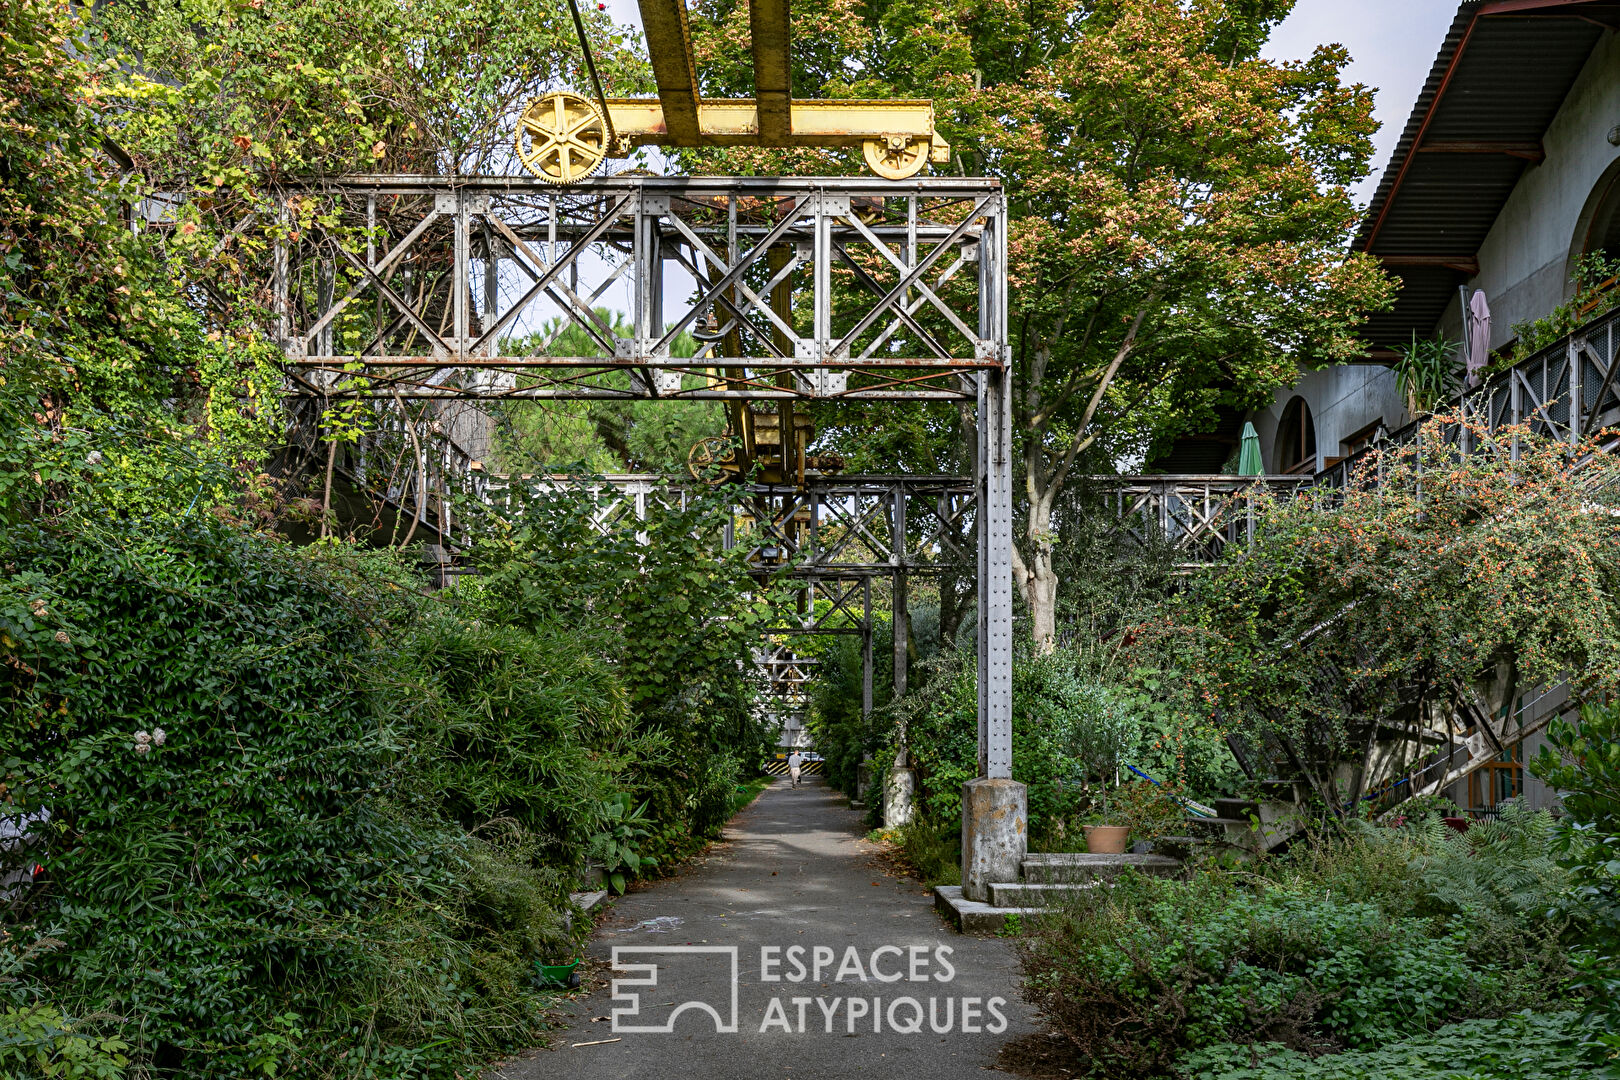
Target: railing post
{"points": [[1576, 373], [458, 301], [866, 648]]}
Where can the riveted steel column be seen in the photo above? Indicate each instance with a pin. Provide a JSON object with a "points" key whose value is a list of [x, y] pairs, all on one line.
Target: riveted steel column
{"points": [[995, 807], [902, 616], [1575, 365], [458, 299], [866, 648], [993, 479]]}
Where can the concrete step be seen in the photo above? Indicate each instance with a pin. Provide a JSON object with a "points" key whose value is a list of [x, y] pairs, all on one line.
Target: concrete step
{"points": [[1062, 868], [972, 917], [1019, 894]]}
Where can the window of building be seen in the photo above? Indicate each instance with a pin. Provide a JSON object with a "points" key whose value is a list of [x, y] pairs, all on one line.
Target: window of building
{"points": [[1360, 440], [1603, 233], [1495, 782], [1295, 448]]}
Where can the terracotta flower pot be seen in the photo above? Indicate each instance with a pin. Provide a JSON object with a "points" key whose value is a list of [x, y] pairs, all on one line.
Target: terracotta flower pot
{"points": [[1107, 839]]}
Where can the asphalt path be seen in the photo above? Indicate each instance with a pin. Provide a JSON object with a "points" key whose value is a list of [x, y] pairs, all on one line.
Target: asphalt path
{"points": [[841, 969]]}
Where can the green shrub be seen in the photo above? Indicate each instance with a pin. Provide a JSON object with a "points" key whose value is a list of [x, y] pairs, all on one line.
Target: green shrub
{"points": [[238, 869], [37, 1040], [934, 850], [1517, 1047], [509, 728], [1136, 974], [1358, 935], [1583, 762], [1072, 736], [674, 615]]}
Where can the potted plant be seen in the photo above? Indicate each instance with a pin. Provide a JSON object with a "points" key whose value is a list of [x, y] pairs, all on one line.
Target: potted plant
{"points": [[1104, 733], [1103, 838]]}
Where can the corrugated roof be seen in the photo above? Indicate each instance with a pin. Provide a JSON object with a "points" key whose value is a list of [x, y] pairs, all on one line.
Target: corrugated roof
{"points": [[1501, 75]]}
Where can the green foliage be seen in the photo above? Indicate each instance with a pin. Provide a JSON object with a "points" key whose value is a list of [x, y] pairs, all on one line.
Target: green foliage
{"points": [[1548, 1047], [38, 1040], [1583, 762], [244, 869], [104, 368], [1135, 974], [1594, 278], [1073, 735], [934, 850], [511, 727], [230, 93], [676, 615], [843, 735], [1355, 938], [617, 844], [1426, 373], [1409, 586], [601, 436]]}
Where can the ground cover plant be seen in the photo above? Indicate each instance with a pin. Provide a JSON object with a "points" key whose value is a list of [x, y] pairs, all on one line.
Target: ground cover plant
{"points": [[1366, 941], [230, 881]]}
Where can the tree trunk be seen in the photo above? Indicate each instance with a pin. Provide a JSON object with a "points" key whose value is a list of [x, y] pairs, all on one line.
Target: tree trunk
{"points": [[1036, 577]]}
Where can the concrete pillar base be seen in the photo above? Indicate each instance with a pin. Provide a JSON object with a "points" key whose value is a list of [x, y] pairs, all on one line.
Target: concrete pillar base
{"points": [[897, 805], [995, 834], [863, 780]]}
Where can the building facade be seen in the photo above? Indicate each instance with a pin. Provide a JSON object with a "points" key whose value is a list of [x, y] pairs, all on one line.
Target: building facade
{"points": [[1507, 172]]}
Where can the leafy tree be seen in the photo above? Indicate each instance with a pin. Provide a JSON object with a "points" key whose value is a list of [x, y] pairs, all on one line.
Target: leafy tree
{"points": [[1179, 204], [676, 614], [223, 96]]}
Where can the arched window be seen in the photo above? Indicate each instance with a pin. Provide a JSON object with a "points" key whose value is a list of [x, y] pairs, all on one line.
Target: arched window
{"points": [[1603, 226], [1295, 448]]}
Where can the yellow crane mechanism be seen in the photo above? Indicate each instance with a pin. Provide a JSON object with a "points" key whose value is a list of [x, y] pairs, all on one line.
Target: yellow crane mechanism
{"points": [[564, 137]]}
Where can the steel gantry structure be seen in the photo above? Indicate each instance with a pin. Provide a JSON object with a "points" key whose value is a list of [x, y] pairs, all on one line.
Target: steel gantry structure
{"points": [[831, 538], [806, 289]]}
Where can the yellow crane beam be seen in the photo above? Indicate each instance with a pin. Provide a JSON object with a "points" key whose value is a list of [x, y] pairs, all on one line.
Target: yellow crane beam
{"points": [[771, 33], [669, 44]]}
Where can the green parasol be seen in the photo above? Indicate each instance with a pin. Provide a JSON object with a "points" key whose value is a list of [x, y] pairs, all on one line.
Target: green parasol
{"points": [[1249, 456]]}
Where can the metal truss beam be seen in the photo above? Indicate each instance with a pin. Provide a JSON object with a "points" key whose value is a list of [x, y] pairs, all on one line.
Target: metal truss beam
{"points": [[892, 287], [836, 526]]}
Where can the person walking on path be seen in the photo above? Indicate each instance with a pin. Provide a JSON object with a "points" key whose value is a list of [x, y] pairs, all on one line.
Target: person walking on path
{"points": [[795, 763]]}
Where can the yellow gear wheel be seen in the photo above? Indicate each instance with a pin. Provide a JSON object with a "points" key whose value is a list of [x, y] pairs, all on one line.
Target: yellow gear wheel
{"points": [[896, 157], [566, 135], [707, 453]]}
